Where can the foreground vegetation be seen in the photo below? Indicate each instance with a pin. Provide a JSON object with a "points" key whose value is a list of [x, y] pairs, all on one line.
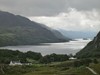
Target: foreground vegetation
{"points": [[8, 55], [53, 64], [30, 57], [59, 68]]}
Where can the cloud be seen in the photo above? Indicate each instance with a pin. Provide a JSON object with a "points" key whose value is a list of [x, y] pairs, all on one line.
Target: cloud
{"points": [[46, 7], [33, 7], [83, 4], [57, 14], [73, 19]]}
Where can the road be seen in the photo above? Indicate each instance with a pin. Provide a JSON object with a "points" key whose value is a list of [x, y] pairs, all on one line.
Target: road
{"points": [[90, 69]]}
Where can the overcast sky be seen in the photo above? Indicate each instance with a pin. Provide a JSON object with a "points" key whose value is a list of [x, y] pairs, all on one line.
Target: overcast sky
{"points": [[65, 14]]}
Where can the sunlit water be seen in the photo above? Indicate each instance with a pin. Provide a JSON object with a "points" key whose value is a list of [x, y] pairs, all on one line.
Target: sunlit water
{"points": [[48, 48]]}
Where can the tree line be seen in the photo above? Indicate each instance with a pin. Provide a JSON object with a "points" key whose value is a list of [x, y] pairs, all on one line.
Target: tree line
{"points": [[9, 55]]}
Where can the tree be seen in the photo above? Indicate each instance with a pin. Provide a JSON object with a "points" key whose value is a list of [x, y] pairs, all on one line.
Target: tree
{"points": [[95, 61], [54, 58], [33, 55], [77, 63], [86, 62]]}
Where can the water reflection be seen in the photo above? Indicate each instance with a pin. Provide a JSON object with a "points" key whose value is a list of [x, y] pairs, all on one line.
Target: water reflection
{"points": [[48, 48]]}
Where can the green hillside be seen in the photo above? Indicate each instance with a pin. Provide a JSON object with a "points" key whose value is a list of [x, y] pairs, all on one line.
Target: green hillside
{"points": [[92, 49], [18, 30]]}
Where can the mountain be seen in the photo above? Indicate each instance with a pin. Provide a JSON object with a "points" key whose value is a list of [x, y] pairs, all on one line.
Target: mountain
{"points": [[60, 36], [78, 34], [92, 49], [18, 30]]}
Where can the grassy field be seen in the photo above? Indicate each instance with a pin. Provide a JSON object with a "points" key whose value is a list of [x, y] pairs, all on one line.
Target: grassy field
{"points": [[59, 68], [96, 67], [60, 71]]}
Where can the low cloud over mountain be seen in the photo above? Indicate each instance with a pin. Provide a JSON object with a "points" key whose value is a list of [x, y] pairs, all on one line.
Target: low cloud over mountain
{"points": [[73, 19]]}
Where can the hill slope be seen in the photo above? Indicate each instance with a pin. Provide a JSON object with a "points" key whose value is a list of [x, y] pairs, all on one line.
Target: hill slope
{"points": [[92, 49], [18, 30]]}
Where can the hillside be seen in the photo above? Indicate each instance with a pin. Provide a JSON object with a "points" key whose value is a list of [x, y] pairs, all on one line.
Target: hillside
{"points": [[18, 30], [60, 35], [92, 49]]}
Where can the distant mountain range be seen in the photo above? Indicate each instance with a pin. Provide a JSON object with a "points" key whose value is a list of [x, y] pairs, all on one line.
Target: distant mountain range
{"points": [[18, 30], [92, 49], [78, 34]]}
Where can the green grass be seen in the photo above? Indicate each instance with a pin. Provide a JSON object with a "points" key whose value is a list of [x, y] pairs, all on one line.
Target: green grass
{"points": [[59, 68], [96, 67], [79, 71], [59, 71]]}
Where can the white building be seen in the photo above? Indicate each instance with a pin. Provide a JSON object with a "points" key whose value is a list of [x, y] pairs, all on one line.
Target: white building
{"points": [[72, 58], [13, 63]]}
